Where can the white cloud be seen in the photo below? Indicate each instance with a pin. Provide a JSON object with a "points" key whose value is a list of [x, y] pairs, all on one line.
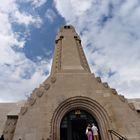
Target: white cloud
{"points": [[11, 9], [110, 37], [14, 85], [68, 8], [19, 75], [50, 15], [26, 19], [35, 3], [38, 3]]}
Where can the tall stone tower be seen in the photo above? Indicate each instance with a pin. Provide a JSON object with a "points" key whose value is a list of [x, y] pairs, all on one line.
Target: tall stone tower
{"points": [[72, 97]]}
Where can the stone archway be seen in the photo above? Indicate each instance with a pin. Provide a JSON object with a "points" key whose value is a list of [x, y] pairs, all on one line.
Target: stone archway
{"points": [[83, 103], [74, 123]]}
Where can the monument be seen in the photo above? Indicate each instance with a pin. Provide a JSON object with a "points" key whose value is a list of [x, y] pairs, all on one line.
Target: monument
{"points": [[71, 98]]}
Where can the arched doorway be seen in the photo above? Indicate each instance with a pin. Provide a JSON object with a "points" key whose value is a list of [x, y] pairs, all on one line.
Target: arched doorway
{"points": [[83, 103], [74, 123]]}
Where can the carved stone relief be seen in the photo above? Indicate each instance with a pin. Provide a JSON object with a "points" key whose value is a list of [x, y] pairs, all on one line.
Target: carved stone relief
{"points": [[98, 79], [8, 123], [131, 106], [10, 127], [31, 100], [5, 131], [47, 86], [122, 98], [61, 37], [40, 92], [23, 110], [114, 91], [105, 85], [53, 79]]}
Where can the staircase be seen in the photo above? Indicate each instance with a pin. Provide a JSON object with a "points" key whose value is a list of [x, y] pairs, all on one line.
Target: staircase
{"points": [[116, 134]]}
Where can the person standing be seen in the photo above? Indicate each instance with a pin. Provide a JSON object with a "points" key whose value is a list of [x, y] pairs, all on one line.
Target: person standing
{"points": [[2, 137], [89, 132], [95, 132]]}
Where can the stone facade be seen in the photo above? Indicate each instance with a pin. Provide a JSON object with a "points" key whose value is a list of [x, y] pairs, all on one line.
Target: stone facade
{"points": [[10, 126], [71, 86], [8, 109]]}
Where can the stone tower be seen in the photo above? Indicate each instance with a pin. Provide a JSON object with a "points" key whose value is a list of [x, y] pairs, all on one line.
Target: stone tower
{"points": [[72, 97]]}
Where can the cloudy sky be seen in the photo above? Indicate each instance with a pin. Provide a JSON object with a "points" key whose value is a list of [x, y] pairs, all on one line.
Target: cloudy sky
{"points": [[110, 33]]}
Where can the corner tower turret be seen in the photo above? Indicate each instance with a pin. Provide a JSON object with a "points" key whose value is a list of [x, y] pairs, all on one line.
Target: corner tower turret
{"points": [[69, 56]]}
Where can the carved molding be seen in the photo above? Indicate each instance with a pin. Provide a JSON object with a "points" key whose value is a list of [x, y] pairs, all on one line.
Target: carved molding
{"points": [[114, 91], [105, 85], [8, 123], [23, 110], [131, 106], [12, 129], [84, 103], [56, 41], [5, 131], [82, 56], [31, 100], [61, 37], [53, 79], [14, 122], [98, 79], [58, 57], [39, 93], [47, 86], [122, 98], [79, 40]]}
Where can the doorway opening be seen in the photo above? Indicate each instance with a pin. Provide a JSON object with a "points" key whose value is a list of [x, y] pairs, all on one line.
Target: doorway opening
{"points": [[74, 123]]}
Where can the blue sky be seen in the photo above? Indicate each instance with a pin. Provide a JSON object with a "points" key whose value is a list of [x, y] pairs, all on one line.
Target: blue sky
{"points": [[109, 30]]}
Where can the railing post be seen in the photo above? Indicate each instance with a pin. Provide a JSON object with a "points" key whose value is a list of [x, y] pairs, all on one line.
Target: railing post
{"points": [[111, 136], [116, 134]]}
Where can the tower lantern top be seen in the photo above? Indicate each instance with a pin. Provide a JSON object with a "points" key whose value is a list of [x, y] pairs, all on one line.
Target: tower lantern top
{"points": [[67, 27], [69, 56]]}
